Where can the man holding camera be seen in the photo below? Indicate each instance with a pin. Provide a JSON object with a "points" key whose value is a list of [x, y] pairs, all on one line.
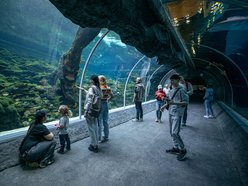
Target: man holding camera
{"points": [[176, 102]]}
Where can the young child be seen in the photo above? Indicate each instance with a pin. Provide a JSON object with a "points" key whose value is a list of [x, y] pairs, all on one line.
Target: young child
{"points": [[62, 126]]}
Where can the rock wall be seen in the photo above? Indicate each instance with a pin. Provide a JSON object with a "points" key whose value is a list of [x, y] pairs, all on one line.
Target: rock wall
{"points": [[143, 24]]}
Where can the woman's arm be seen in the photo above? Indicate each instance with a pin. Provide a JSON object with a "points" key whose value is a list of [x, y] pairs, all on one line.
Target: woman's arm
{"points": [[49, 136]]}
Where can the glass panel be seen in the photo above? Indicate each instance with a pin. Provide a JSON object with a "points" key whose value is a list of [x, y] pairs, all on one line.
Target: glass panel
{"points": [[216, 32]]}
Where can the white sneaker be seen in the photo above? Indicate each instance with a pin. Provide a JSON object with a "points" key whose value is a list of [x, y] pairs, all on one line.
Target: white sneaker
{"points": [[135, 120], [156, 120], [210, 116], [206, 116]]}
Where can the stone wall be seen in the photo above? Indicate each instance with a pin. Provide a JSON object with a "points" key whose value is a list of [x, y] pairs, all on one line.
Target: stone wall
{"points": [[10, 140]]}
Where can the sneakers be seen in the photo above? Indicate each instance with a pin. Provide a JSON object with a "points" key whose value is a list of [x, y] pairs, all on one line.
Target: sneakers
{"points": [[43, 165], [181, 155], [60, 151], [206, 116], [135, 120], [211, 116], [93, 149], [156, 120], [104, 140], [51, 161], [173, 150]]}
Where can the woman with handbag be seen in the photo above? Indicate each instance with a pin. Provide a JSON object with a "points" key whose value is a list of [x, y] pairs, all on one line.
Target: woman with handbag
{"points": [[92, 111]]}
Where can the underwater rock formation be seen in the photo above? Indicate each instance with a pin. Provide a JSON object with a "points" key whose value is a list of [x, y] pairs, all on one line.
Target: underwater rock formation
{"points": [[69, 63], [141, 23]]}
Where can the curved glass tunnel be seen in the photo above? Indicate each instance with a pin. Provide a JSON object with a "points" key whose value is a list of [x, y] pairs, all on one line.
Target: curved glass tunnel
{"points": [[46, 55], [35, 43]]}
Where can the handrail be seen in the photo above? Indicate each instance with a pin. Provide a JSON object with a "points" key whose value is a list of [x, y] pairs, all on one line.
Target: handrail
{"points": [[84, 70]]}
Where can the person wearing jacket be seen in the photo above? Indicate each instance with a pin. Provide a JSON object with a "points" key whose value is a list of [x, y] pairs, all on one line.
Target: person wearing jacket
{"points": [[208, 101], [139, 91], [90, 119], [160, 97]]}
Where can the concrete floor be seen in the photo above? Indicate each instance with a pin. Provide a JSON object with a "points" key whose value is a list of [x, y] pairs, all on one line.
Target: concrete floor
{"points": [[135, 155]]}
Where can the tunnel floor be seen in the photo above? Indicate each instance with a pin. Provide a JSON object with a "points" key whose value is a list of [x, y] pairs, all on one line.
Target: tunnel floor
{"points": [[135, 155]]}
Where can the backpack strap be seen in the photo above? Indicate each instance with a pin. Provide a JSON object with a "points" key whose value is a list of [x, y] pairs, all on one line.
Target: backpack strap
{"points": [[175, 93]]}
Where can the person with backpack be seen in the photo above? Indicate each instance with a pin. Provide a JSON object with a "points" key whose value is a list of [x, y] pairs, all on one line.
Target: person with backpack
{"points": [[189, 89], [208, 101], [103, 118], [177, 100], [160, 97], [139, 91], [92, 111], [37, 147]]}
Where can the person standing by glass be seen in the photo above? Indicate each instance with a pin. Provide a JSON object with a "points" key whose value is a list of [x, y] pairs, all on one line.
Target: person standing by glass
{"points": [[91, 120], [177, 100], [208, 101], [189, 89], [138, 97], [160, 97], [103, 118]]}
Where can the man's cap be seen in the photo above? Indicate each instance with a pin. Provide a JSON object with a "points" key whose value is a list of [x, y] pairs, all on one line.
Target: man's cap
{"points": [[175, 76]]}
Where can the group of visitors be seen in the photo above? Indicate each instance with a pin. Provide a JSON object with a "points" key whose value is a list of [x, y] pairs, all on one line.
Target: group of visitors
{"points": [[37, 148], [98, 89]]}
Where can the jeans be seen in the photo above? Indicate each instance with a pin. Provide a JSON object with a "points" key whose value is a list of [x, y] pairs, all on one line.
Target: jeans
{"points": [[175, 125], [103, 121], [159, 104], [185, 114], [42, 152], [139, 110], [208, 107], [93, 129], [64, 138]]}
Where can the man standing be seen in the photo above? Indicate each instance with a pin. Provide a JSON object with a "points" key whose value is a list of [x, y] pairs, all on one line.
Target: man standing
{"points": [[139, 91], [178, 99], [189, 89]]}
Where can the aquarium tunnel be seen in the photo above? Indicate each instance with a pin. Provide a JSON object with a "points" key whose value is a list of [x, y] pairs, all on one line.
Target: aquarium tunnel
{"points": [[50, 48]]}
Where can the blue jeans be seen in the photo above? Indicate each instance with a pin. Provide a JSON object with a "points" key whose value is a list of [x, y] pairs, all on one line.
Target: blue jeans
{"points": [[139, 110], [93, 129], [64, 138], [159, 104], [103, 121], [208, 107]]}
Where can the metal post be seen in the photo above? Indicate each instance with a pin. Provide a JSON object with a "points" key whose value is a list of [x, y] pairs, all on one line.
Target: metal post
{"points": [[150, 80], [124, 97], [84, 70], [167, 75]]}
